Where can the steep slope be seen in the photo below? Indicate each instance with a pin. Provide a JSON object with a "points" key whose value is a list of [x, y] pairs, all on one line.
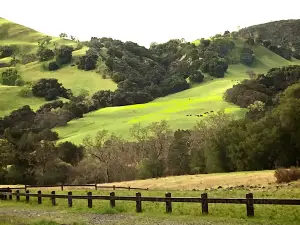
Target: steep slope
{"points": [[202, 98], [283, 32], [24, 38]]}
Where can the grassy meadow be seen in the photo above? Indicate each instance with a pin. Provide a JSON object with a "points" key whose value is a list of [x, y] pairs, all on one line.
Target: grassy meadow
{"points": [[231, 213]]}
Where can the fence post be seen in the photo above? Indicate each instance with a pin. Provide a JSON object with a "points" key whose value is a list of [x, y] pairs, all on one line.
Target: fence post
{"points": [[112, 200], [90, 200], [27, 196], [62, 187], [168, 203], [96, 187], [25, 187], [70, 201], [250, 205], [114, 187], [129, 188], [17, 195], [138, 202], [4, 197], [10, 194], [39, 197], [204, 203], [53, 200]]}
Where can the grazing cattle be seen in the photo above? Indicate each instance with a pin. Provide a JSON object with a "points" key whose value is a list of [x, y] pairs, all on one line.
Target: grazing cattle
{"points": [[187, 115], [206, 113], [211, 111], [201, 115]]}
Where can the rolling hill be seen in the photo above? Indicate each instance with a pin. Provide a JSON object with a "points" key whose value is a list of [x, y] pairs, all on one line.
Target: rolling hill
{"points": [[174, 108], [26, 41], [180, 109], [284, 32]]}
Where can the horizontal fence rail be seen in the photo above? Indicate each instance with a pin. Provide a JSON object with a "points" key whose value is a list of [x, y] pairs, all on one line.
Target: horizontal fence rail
{"points": [[249, 201], [96, 186]]}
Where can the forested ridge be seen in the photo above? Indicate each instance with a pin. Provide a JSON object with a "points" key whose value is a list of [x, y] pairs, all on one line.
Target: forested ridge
{"points": [[267, 138]]}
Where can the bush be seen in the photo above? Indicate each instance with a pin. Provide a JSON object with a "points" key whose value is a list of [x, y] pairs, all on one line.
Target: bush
{"points": [[44, 54], [50, 89], [64, 55], [9, 77], [196, 77], [6, 51], [287, 175], [25, 92], [52, 66]]}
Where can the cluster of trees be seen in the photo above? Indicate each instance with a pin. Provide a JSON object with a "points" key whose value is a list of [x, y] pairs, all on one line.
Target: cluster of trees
{"points": [[144, 74], [213, 54], [28, 151], [11, 77], [62, 54], [264, 88], [50, 89], [285, 52], [284, 33]]}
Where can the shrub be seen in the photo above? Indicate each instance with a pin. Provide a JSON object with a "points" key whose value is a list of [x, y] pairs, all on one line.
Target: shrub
{"points": [[25, 92], [52, 66], [44, 54], [296, 54], [6, 51], [196, 77], [64, 54], [287, 175], [9, 77]]}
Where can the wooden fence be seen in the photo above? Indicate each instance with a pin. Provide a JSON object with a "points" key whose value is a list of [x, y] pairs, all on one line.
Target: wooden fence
{"points": [[249, 201], [61, 186]]}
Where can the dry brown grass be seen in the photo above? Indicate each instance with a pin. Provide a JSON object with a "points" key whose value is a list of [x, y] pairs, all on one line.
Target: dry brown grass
{"points": [[201, 181]]}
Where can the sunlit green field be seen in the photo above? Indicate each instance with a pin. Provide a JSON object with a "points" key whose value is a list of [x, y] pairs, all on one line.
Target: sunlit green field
{"points": [[232, 213], [10, 100], [173, 108]]}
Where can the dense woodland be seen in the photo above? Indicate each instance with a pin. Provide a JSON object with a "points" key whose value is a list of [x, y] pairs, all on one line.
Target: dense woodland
{"points": [[266, 138]]}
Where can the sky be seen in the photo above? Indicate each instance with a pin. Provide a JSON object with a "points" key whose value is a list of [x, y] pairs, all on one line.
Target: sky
{"points": [[145, 21]]}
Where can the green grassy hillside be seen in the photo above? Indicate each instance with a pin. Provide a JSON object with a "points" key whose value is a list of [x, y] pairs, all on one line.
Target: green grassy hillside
{"points": [[202, 98], [26, 41], [199, 99]]}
